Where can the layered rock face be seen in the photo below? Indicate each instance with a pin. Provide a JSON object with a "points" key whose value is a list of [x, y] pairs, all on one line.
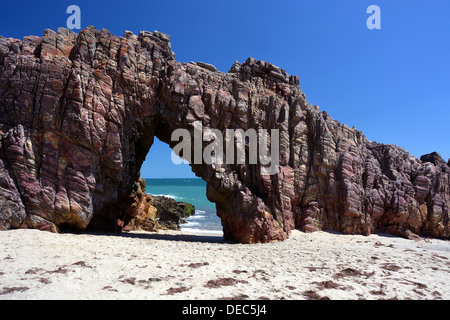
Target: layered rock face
{"points": [[79, 112]]}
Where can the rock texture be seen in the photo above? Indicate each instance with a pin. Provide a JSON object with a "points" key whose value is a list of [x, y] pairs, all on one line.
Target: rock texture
{"points": [[170, 213], [141, 211], [135, 212], [79, 112]]}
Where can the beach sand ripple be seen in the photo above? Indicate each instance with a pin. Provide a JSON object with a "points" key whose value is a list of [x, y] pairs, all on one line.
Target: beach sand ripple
{"points": [[174, 265]]}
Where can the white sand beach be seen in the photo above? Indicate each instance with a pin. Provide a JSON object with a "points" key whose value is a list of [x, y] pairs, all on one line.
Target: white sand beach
{"points": [[174, 265]]}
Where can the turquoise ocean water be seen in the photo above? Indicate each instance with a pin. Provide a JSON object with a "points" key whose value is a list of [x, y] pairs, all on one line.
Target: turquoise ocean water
{"points": [[192, 191]]}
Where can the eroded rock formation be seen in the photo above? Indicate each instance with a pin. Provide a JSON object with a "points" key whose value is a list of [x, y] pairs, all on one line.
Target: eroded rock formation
{"points": [[141, 211], [79, 112]]}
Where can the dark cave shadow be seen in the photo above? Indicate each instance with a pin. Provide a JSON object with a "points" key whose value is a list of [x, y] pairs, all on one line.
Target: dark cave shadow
{"points": [[181, 237]]}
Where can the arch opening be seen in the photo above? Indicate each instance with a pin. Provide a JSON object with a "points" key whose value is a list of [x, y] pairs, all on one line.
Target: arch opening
{"points": [[163, 177]]}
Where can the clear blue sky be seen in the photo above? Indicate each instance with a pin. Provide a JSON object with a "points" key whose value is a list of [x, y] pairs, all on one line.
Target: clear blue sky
{"points": [[393, 84]]}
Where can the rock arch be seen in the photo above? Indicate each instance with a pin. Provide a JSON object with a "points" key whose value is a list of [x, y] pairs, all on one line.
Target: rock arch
{"points": [[79, 112]]}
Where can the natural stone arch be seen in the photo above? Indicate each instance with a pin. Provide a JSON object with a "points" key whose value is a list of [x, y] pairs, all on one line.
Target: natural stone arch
{"points": [[103, 101], [79, 112]]}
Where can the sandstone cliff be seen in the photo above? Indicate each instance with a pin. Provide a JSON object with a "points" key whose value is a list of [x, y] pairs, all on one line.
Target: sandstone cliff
{"points": [[79, 112]]}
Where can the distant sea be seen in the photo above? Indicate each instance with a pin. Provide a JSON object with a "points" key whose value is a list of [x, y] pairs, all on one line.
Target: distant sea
{"points": [[192, 191]]}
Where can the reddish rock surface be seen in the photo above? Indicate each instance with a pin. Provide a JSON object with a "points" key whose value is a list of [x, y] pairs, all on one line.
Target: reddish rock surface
{"points": [[79, 112]]}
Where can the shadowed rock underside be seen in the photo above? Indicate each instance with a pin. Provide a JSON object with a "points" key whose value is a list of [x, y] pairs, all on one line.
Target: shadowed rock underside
{"points": [[79, 113]]}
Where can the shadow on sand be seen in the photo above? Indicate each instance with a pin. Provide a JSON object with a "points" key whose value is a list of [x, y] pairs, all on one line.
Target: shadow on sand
{"points": [[173, 236]]}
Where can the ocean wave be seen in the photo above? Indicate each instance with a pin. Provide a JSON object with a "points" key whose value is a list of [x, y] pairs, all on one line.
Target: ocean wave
{"points": [[196, 216], [190, 223], [199, 211], [168, 196]]}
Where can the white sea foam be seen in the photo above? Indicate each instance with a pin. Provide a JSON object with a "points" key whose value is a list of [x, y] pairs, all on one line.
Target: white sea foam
{"points": [[166, 195], [190, 223], [195, 217]]}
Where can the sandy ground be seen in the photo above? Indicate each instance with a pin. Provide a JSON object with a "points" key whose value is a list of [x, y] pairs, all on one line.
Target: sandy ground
{"points": [[174, 265]]}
